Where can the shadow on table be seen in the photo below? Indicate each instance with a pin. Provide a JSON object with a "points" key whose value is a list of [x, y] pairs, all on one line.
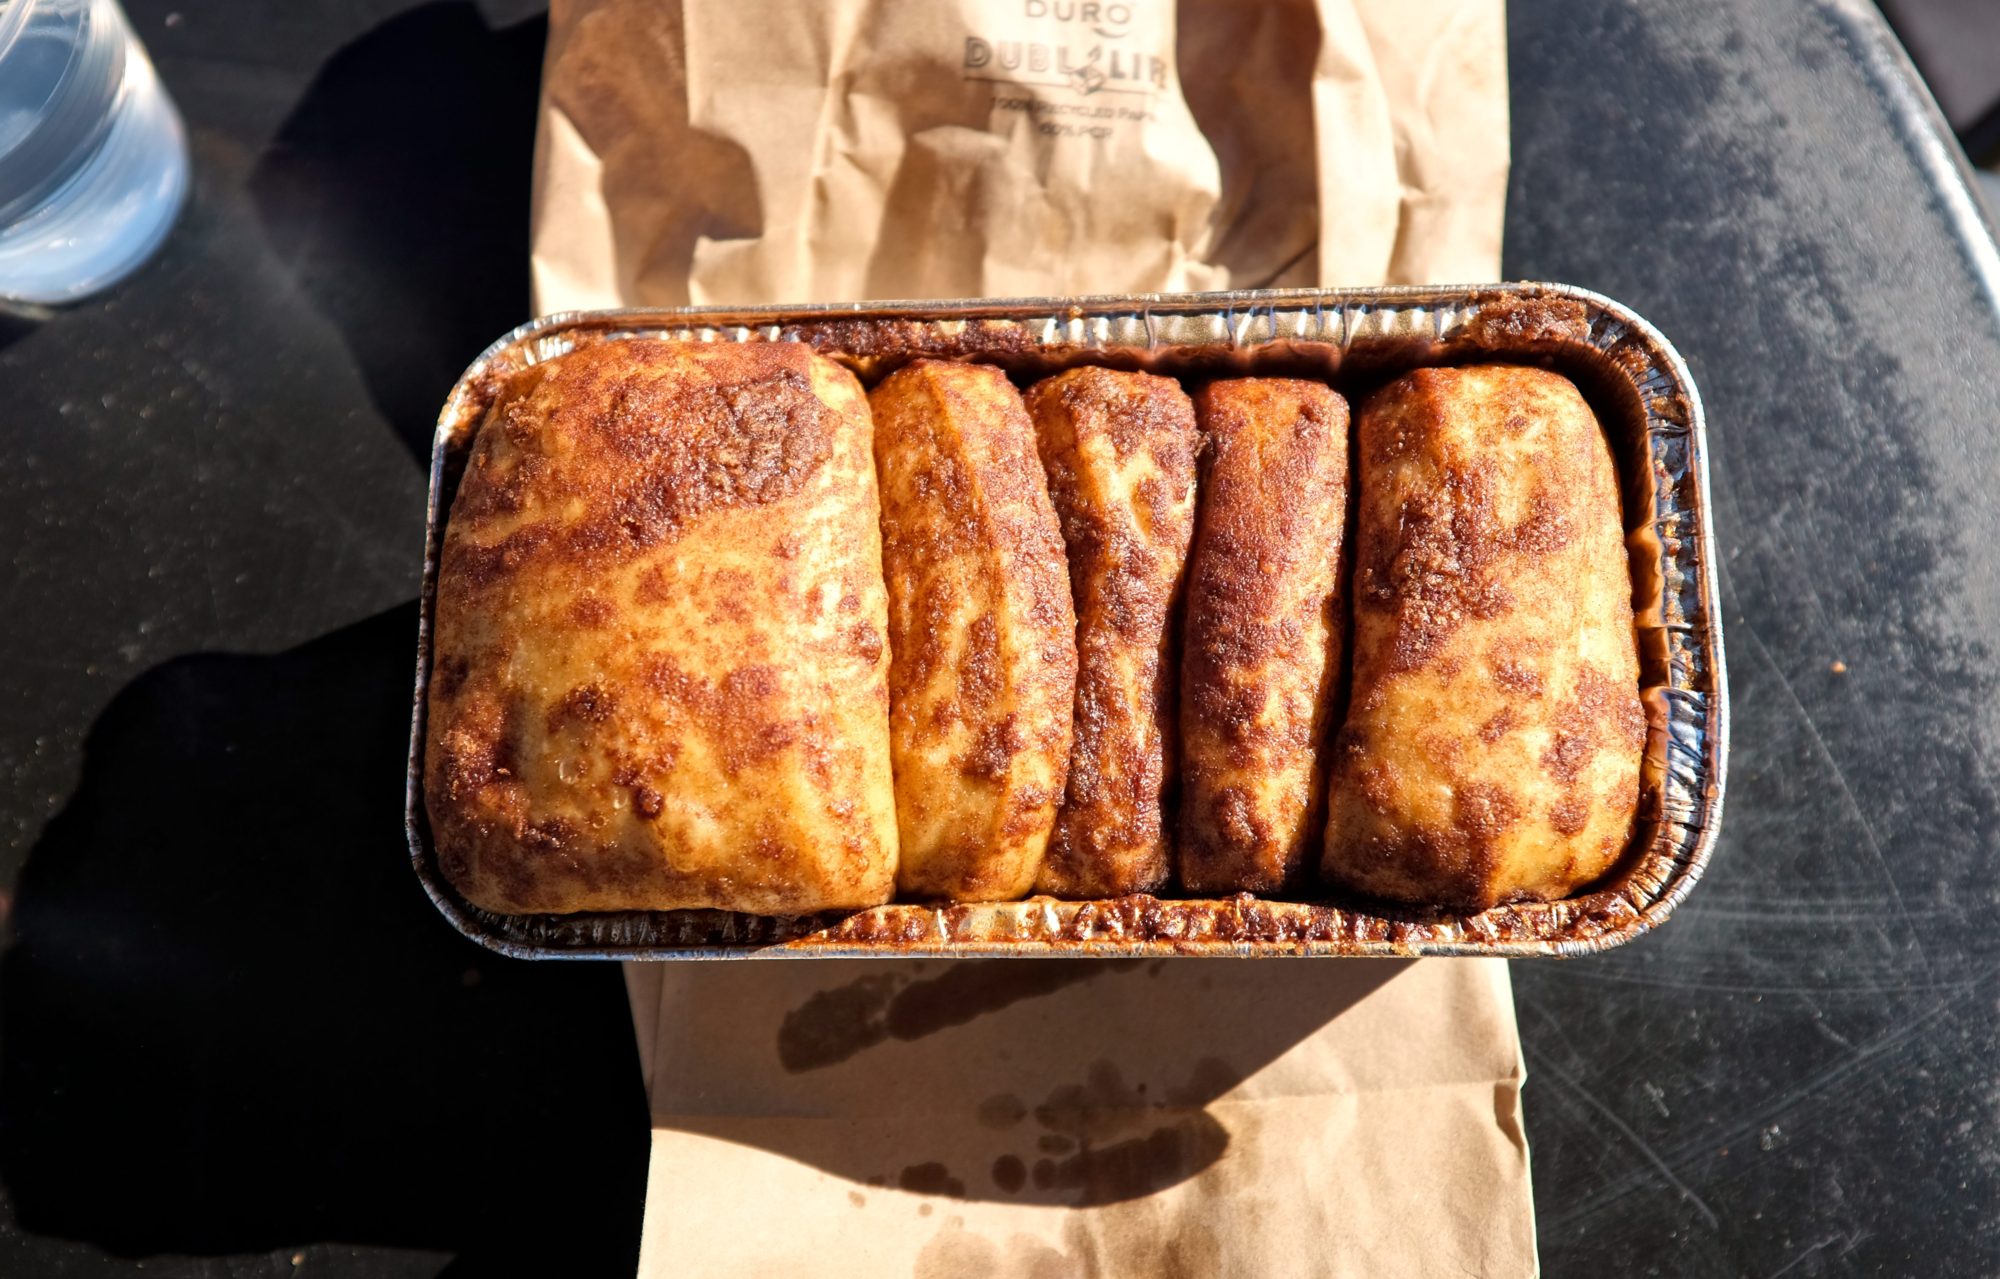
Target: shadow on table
{"points": [[234, 1022], [398, 187], [15, 327]]}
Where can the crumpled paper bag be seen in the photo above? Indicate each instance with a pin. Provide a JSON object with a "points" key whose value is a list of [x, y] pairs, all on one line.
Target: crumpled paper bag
{"points": [[1054, 1117], [741, 151]]}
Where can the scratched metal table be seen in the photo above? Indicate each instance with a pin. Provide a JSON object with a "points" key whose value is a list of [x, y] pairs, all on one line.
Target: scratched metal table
{"points": [[235, 1040]]}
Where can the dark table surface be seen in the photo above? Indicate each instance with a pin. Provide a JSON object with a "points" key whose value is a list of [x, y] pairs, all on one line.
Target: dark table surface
{"points": [[236, 1040]]}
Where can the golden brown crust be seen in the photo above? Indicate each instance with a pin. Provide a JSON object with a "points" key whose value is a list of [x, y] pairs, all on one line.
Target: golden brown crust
{"points": [[1119, 450], [1262, 658], [1491, 751], [981, 632], [659, 673]]}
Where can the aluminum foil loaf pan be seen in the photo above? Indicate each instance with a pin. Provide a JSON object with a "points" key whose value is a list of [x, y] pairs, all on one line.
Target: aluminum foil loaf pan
{"points": [[1355, 338]]}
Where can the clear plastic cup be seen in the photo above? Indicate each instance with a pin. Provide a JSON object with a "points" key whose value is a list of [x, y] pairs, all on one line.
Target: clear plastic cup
{"points": [[93, 159]]}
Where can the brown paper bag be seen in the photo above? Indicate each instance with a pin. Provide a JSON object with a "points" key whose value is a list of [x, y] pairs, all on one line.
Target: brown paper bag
{"points": [[1087, 1118], [1044, 1118], [738, 151], [1047, 1118]]}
